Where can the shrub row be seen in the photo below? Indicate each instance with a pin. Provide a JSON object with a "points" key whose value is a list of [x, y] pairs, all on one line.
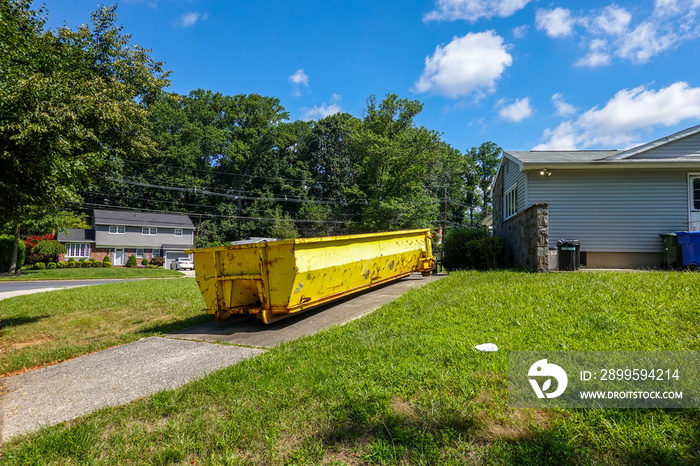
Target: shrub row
{"points": [[472, 249]]}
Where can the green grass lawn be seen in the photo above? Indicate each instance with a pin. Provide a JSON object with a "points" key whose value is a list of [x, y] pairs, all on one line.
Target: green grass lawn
{"points": [[47, 327], [405, 386], [92, 273]]}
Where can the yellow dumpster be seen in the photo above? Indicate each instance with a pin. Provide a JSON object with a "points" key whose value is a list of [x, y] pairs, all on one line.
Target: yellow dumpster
{"points": [[279, 278]]}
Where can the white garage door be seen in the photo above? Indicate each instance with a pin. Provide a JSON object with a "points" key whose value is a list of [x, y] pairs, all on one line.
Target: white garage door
{"points": [[171, 256]]}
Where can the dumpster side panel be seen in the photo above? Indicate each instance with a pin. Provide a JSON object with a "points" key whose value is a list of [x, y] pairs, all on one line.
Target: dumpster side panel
{"points": [[338, 268], [279, 273]]}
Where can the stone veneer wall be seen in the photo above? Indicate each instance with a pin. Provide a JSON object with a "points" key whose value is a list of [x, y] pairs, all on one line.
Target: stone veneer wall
{"points": [[527, 238]]}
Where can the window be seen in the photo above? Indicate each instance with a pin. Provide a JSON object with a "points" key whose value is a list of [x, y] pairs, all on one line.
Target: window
{"points": [[155, 252], [510, 202], [178, 232], [139, 253], [696, 193], [149, 231], [77, 250], [116, 230]]}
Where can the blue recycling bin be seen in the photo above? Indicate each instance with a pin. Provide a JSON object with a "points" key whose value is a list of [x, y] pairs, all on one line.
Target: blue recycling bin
{"points": [[689, 242]]}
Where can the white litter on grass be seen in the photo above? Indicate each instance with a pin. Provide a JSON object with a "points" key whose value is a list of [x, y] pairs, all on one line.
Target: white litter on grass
{"points": [[487, 347]]}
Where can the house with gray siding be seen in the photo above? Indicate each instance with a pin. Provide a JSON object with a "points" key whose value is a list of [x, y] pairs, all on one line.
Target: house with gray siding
{"points": [[120, 234], [615, 202]]}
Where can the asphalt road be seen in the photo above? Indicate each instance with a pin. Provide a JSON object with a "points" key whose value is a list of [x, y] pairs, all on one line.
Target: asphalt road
{"points": [[41, 284], [9, 289]]}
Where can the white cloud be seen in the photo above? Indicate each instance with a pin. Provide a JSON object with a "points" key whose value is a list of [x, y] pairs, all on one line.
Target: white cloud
{"points": [[674, 7], [672, 23], [556, 23], [191, 18], [467, 65], [516, 111], [323, 110], [644, 42], [564, 108], [613, 20], [520, 31], [298, 79], [619, 122], [472, 10], [597, 55]]}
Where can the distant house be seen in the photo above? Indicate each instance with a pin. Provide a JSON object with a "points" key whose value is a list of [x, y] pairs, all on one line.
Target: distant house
{"points": [[615, 202], [120, 234]]}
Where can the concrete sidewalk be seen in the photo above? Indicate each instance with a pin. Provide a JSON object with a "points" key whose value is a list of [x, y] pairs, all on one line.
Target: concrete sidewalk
{"points": [[111, 377]]}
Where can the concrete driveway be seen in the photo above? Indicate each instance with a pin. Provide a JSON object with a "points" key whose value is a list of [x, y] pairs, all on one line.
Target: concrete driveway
{"points": [[247, 330]]}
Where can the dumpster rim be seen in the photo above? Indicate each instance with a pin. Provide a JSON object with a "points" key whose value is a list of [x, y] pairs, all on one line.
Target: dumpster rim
{"points": [[317, 239]]}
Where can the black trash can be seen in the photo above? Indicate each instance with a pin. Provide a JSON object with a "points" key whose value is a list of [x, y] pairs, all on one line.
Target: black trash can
{"points": [[672, 250], [569, 254]]}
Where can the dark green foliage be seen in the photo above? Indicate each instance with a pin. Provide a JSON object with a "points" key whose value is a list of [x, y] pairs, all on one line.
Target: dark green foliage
{"points": [[467, 248], [98, 264], [51, 265], [107, 259], [61, 265], [157, 261], [131, 262], [144, 262], [48, 250], [6, 244]]}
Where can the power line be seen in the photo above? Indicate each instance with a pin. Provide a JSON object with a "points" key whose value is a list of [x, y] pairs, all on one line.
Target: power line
{"points": [[279, 178], [176, 203], [198, 214]]}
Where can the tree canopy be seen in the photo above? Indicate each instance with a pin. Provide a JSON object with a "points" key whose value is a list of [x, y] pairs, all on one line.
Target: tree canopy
{"points": [[71, 103], [84, 119]]}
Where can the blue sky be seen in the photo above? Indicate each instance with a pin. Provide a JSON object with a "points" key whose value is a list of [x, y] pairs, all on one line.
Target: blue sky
{"points": [[522, 73]]}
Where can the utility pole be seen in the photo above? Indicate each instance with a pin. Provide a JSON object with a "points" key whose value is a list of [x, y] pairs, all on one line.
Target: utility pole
{"points": [[444, 221]]}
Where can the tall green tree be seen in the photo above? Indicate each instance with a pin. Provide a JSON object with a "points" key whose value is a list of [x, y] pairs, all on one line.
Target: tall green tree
{"points": [[71, 103], [393, 159], [482, 162]]}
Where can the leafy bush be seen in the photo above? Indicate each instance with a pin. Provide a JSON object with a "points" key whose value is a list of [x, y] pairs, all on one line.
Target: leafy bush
{"points": [[97, 264], [144, 262], [106, 259], [48, 250], [131, 262], [70, 264], [39, 266], [60, 265], [7, 243], [472, 249], [107, 264], [71, 259], [29, 243], [157, 261], [51, 265]]}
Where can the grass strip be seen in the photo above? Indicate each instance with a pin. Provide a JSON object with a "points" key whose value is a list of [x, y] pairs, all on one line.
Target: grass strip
{"points": [[405, 386], [44, 328]]}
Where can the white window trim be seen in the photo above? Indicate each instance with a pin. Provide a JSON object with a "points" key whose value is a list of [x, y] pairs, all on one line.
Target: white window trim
{"points": [[149, 231], [180, 232], [139, 255], [118, 230], [510, 202], [77, 250]]}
